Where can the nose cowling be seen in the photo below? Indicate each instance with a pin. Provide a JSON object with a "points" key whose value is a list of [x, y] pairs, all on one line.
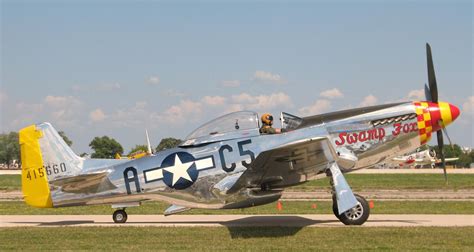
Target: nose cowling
{"points": [[442, 114], [433, 116]]}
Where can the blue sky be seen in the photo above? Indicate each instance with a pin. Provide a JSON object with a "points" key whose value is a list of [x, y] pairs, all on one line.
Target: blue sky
{"points": [[114, 68]]}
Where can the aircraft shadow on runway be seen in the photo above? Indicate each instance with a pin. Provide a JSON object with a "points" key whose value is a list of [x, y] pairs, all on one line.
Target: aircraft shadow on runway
{"points": [[270, 226], [246, 227], [57, 223], [280, 225]]}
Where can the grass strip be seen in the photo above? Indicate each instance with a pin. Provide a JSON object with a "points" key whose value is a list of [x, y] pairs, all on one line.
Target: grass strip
{"points": [[395, 182], [357, 182], [238, 239]]}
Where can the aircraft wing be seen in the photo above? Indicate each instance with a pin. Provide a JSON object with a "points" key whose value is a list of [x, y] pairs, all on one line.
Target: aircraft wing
{"points": [[287, 165], [438, 161], [451, 159]]}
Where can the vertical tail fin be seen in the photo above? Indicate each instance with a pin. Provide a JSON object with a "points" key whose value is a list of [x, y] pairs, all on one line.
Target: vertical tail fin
{"points": [[45, 156], [149, 152], [59, 159]]}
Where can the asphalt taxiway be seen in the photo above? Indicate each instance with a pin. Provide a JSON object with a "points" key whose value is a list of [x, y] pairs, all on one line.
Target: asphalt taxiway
{"points": [[323, 220]]}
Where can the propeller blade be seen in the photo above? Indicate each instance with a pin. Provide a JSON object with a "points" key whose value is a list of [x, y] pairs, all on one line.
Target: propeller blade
{"points": [[427, 93], [439, 134], [445, 131], [431, 75]]}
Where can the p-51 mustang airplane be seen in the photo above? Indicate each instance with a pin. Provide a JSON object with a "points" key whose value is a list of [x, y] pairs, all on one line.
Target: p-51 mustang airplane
{"points": [[421, 158], [228, 164]]}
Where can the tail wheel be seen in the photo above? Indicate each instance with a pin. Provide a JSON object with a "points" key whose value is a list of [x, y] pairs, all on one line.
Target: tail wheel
{"points": [[357, 215], [120, 216]]}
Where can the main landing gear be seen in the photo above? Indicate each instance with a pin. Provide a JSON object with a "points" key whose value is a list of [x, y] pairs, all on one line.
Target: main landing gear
{"points": [[355, 207], [354, 216], [120, 216]]}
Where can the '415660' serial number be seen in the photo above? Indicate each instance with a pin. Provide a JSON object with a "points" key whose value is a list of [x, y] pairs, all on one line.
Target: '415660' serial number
{"points": [[50, 170]]}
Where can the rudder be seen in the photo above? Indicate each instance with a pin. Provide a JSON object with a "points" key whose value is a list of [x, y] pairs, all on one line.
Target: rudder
{"points": [[34, 183], [45, 156]]}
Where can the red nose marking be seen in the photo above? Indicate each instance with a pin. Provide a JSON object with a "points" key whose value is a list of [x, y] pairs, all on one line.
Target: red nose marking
{"points": [[454, 111], [435, 114], [440, 114]]}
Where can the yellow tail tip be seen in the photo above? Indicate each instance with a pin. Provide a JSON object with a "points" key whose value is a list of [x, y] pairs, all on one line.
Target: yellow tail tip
{"points": [[34, 182]]}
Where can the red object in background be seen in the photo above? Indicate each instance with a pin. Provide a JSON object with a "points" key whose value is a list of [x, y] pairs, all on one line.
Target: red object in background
{"points": [[371, 204], [279, 206]]}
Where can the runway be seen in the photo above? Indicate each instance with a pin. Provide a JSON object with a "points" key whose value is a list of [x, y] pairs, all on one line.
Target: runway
{"points": [[324, 220]]}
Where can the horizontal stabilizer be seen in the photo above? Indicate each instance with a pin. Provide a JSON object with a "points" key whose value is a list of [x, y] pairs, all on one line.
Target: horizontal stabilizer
{"points": [[85, 183]]}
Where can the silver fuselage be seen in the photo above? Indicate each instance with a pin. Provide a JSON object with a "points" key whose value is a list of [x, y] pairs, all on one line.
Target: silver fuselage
{"points": [[369, 134]]}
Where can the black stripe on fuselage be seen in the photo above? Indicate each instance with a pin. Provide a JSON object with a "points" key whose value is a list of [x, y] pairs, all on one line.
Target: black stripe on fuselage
{"points": [[333, 116]]}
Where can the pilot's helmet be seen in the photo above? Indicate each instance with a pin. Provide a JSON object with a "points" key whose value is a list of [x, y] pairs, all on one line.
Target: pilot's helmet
{"points": [[267, 119]]}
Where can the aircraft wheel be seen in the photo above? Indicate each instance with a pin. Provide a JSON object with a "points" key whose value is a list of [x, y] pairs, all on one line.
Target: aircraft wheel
{"points": [[334, 206], [355, 216], [120, 216]]}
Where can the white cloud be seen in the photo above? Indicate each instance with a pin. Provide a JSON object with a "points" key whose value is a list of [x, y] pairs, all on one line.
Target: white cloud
{"points": [[468, 106], [230, 83], [213, 100], [332, 93], [233, 108], [266, 76], [63, 109], [108, 86], [369, 100], [97, 115], [56, 101], [135, 116], [417, 95], [174, 93], [154, 80], [140, 115], [243, 98], [189, 111], [61, 101], [262, 102], [27, 113], [318, 107], [185, 111]]}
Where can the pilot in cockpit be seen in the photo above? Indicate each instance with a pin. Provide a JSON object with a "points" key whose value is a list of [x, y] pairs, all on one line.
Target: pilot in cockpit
{"points": [[267, 122]]}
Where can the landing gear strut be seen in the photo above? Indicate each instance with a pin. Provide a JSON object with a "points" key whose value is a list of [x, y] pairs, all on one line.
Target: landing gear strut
{"points": [[120, 216], [357, 215]]}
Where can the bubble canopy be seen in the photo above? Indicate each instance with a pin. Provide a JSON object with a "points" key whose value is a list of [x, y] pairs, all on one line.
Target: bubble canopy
{"points": [[230, 126]]}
